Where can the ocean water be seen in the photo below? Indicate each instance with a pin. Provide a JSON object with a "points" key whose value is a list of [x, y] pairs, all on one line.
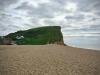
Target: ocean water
{"points": [[86, 42], [87, 46]]}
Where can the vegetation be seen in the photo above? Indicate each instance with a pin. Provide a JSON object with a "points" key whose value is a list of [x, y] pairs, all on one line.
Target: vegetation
{"points": [[37, 36]]}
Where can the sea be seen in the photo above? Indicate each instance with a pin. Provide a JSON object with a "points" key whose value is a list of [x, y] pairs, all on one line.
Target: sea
{"points": [[86, 46]]}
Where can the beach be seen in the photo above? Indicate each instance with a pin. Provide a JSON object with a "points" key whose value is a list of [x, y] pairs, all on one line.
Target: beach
{"points": [[50, 59]]}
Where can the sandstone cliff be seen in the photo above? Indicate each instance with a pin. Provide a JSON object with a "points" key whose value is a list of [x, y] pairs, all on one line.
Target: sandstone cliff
{"points": [[61, 41]]}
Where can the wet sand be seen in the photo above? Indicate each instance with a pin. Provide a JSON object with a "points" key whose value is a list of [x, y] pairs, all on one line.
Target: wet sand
{"points": [[48, 60]]}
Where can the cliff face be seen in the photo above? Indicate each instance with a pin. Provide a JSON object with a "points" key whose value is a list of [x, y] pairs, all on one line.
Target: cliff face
{"points": [[39, 36], [61, 41]]}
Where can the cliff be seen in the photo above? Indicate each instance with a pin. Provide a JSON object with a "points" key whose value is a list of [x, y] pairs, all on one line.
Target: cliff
{"points": [[60, 41], [38, 36]]}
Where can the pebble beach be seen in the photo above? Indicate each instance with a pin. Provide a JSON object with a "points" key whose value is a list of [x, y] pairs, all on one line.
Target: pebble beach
{"points": [[48, 59]]}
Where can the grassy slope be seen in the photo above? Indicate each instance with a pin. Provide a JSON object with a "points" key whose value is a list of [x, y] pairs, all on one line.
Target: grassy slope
{"points": [[37, 36]]}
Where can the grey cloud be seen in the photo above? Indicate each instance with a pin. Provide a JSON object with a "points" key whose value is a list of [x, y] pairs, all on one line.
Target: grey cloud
{"points": [[51, 23], [28, 25], [14, 26], [8, 22], [91, 33], [4, 15], [87, 5], [44, 10], [63, 24], [2, 27], [40, 12], [8, 27], [18, 17], [7, 18], [93, 19], [85, 29], [66, 28], [25, 6], [77, 17], [35, 21], [95, 27], [6, 3], [31, 25], [61, 2], [82, 5], [97, 13], [96, 6]]}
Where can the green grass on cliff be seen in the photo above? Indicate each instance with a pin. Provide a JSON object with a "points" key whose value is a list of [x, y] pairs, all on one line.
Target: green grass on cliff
{"points": [[37, 36]]}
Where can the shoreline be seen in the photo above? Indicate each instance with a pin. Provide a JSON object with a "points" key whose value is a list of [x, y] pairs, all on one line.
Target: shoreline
{"points": [[57, 45], [87, 46]]}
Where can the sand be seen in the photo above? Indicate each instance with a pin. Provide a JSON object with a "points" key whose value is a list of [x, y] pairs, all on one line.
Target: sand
{"points": [[48, 60]]}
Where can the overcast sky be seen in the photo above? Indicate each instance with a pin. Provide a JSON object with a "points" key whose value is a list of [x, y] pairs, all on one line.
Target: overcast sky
{"points": [[79, 19]]}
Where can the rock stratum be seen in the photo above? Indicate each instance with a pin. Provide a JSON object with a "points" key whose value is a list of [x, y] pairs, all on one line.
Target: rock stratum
{"points": [[38, 36]]}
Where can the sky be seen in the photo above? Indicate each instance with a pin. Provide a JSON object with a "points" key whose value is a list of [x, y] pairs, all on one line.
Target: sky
{"points": [[79, 19]]}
